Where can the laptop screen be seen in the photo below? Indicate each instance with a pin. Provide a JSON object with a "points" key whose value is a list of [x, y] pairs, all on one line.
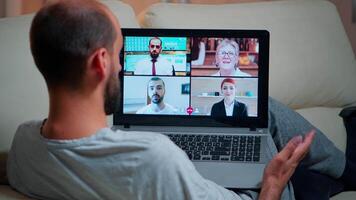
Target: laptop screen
{"points": [[194, 78]]}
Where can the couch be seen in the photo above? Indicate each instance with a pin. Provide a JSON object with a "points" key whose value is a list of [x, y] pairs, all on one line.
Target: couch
{"points": [[312, 65]]}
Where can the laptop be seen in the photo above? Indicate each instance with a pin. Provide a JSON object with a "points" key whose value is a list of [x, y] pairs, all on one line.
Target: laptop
{"points": [[207, 90]]}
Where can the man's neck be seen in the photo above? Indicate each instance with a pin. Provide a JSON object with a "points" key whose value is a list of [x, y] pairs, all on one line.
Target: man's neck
{"points": [[73, 116], [154, 59]]}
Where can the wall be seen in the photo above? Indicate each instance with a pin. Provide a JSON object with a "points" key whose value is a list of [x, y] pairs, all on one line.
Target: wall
{"points": [[28, 6], [2, 8], [345, 10], [344, 7], [140, 5]]}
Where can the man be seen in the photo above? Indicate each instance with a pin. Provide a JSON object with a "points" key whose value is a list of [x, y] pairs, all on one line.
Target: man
{"points": [[156, 90], [154, 64], [74, 155]]}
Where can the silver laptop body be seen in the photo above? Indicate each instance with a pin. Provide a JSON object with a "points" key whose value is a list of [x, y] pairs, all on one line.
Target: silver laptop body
{"points": [[233, 153]]}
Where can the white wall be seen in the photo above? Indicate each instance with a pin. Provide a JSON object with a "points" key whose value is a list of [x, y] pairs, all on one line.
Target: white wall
{"points": [[2, 8], [13, 8], [344, 7]]}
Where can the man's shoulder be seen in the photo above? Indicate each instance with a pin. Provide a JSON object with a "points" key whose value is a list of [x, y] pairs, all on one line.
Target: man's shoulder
{"points": [[28, 127], [25, 140], [139, 135], [142, 66], [144, 60], [163, 152], [31, 124], [158, 147], [163, 60], [170, 107], [144, 137], [142, 110]]}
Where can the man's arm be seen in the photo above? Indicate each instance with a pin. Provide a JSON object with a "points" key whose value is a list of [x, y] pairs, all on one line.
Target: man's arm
{"points": [[282, 166]]}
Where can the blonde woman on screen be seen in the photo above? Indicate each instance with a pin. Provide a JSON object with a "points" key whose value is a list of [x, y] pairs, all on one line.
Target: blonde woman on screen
{"points": [[226, 59]]}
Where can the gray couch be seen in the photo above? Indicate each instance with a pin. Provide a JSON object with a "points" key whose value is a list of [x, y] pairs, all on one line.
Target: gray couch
{"points": [[312, 66]]}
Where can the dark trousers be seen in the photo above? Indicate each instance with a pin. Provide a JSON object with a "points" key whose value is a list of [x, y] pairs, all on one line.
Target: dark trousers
{"points": [[310, 185]]}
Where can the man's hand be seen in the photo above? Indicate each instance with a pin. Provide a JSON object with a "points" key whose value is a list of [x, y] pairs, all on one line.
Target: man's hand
{"points": [[278, 172]]}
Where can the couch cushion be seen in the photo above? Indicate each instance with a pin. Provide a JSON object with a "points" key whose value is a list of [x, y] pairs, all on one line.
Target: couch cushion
{"points": [[328, 121], [311, 60], [345, 196], [23, 91], [123, 12]]}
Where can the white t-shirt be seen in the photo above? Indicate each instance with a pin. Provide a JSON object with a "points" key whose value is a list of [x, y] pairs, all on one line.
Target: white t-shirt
{"points": [[107, 165], [162, 65], [168, 109]]}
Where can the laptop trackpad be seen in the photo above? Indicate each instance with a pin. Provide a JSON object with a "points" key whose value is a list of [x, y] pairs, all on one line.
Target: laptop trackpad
{"points": [[232, 175]]}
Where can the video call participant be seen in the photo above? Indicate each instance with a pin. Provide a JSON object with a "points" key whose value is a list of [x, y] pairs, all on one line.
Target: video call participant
{"points": [[226, 59], [229, 106], [154, 64], [156, 91]]}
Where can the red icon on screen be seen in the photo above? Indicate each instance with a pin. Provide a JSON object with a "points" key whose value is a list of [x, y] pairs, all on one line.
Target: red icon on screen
{"points": [[190, 110]]}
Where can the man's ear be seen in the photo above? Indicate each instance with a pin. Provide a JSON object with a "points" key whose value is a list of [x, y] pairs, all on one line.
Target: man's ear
{"points": [[98, 63]]}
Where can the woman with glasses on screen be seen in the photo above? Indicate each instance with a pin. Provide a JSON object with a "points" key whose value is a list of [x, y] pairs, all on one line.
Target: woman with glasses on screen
{"points": [[226, 59], [229, 106]]}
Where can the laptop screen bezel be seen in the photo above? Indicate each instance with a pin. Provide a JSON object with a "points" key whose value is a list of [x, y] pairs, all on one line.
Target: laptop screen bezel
{"points": [[261, 121]]}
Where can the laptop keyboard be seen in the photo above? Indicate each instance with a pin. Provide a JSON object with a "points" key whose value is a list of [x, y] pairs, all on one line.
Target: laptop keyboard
{"points": [[230, 148]]}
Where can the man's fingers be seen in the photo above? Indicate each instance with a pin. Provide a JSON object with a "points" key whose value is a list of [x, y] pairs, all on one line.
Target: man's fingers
{"points": [[288, 150], [302, 149]]}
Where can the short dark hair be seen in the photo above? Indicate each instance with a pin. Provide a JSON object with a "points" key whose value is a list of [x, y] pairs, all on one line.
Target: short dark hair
{"points": [[156, 79], [64, 34], [155, 38]]}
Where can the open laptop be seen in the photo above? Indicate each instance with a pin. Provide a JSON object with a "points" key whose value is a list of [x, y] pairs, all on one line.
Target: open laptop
{"points": [[175, 82]]}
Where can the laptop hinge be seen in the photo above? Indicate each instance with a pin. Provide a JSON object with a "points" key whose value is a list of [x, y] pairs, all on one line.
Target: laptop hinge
{"points": [[252, 129], [126, 125]]}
